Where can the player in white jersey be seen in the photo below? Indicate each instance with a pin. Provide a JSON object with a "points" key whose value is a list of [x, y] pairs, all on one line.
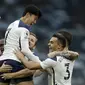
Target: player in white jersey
{"points": [[68, 63], [22, 73], [16, 38], [62, 67]]}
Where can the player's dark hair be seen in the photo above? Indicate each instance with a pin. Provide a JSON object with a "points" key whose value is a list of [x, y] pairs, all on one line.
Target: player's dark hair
{"points": [[67, 35], [33, 10], [61, 39]]}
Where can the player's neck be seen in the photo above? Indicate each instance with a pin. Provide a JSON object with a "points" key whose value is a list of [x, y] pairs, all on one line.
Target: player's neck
{"points": [[23, 19]]}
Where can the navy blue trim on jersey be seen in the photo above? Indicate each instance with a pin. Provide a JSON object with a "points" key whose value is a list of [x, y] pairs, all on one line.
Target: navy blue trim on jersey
{"points": [[21, 24], [53, 76], [54, 58], [35, 54], [20, 43]]}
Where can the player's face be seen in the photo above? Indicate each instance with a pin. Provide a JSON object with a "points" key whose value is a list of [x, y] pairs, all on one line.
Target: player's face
{"points": [[32, 41], [32, 19], [53, 44], [1, 47]]}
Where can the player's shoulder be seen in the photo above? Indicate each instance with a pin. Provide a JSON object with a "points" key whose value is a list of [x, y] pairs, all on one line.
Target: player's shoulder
{"points": [[14, 24], [54, 59], [20, 25]]}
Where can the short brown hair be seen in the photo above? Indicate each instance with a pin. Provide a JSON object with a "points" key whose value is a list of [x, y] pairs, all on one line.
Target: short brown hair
{"points": [[31, 33]]}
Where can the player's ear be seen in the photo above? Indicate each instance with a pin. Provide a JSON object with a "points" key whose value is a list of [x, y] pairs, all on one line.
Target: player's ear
{"points": [[59, 46]]}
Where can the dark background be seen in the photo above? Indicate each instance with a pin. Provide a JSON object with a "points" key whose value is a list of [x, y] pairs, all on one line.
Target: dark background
{"points": [[58, 15]]}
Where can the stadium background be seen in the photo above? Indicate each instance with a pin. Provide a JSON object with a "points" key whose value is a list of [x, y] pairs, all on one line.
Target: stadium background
{"points": [[68, 15]]}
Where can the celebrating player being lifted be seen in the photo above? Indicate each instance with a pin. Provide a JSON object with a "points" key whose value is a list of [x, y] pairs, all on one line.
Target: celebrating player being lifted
{"points": [[62, 65], [16, 37], [24, 72]]}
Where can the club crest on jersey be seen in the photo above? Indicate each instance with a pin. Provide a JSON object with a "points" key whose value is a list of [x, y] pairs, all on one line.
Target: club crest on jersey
{"points": [[26, 33], [26, 36]]}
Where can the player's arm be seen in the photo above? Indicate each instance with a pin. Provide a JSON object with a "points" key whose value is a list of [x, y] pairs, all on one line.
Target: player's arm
{"points": [[71, 55], [38, 73], [20, 74], [35, 65], [31, 64], [25, 46], [28, 64]]}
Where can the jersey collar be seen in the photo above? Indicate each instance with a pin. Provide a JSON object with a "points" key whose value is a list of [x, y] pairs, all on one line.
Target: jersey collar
{"points": [[21, 24]]}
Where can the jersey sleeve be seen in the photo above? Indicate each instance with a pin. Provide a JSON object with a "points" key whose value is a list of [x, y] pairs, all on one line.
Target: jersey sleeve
{"points": [[48, 63], [25, 46]]}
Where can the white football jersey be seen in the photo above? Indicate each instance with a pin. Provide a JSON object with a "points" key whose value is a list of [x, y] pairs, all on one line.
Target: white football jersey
{"points": [[16, 38], [62, 70]]}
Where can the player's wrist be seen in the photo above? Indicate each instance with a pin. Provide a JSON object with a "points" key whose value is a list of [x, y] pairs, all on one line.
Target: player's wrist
{"points": [[11, 76]]}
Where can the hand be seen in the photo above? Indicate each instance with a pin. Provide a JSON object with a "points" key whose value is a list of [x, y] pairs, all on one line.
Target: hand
{"points": [[19, 54], [5, 68], [37, 73], [6, 76]]}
